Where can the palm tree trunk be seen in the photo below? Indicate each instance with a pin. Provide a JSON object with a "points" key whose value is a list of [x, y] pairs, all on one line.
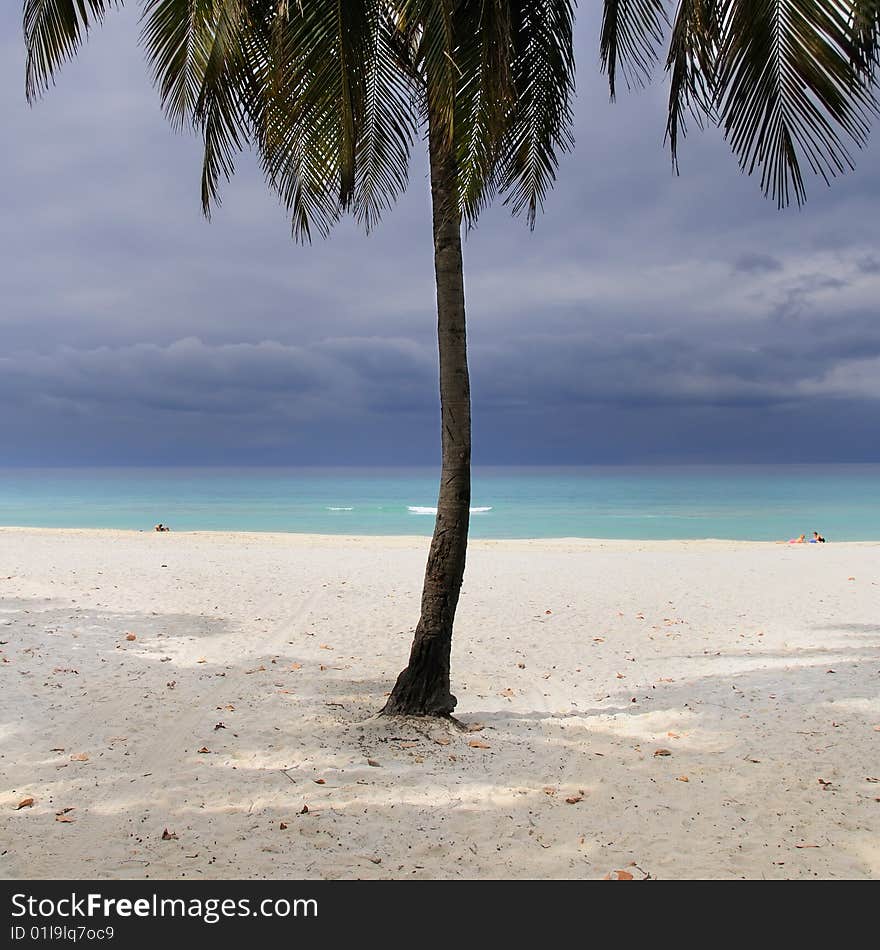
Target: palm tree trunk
{"points": [[422, 689]]}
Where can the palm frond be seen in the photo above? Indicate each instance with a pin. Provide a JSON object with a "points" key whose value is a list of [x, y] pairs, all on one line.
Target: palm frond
{"points": [[865, 30], [54, 30], [296, 118], [539, 125], [308, 103], [390, 121], [693, 48], [433, 24], [787, 90], [194, 49], [632, 31], [176, 36], [484, 98], [219, 110]]}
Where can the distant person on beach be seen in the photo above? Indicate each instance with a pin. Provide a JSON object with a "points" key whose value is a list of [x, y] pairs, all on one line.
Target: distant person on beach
{"points": [[161, 527], [817, 538], [800, 540]]}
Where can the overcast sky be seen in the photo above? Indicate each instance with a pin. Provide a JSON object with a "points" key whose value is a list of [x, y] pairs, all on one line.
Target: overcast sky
{"points": [[648, 318]]}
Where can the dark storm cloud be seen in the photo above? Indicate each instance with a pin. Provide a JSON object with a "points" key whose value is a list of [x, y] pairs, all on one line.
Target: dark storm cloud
{"points": [[798, 298], [649, 316], [751, 263], [319, 381]]}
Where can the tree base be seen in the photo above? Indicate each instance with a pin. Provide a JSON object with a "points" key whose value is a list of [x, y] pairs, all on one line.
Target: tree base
{"points": [[422, 689], [412, 699]]}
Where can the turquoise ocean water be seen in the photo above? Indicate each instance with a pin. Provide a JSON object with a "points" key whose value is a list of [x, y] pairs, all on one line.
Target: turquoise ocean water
{"points": [[749, 502]]}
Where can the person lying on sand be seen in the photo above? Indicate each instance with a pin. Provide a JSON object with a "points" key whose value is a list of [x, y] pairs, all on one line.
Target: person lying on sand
{"points": [[801, 540], [161, 527], [817, 538]]}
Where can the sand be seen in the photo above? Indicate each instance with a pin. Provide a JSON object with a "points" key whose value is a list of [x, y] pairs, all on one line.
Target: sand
{"points": [[202, 706]]}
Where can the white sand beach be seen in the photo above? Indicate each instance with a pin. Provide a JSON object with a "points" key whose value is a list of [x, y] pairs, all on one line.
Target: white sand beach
{"points": [[202, 706]]}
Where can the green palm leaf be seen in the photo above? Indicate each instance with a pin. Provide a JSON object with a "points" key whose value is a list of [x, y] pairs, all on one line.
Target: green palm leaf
{"points": [[194, 48], [787, 91], [431, 23], [389, 125], [789, 81], [484, 97], [691, 64], [54, 30], [307, 103], [865, 29], [538, 127], [632, 32], [176, 35]]}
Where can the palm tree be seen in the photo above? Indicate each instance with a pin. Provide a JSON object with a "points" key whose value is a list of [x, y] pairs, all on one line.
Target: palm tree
{"points": [[332, 96]]}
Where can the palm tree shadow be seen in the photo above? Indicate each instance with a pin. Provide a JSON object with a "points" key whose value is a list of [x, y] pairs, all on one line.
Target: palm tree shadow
{"points": [[865, 628], [420, 796]]}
